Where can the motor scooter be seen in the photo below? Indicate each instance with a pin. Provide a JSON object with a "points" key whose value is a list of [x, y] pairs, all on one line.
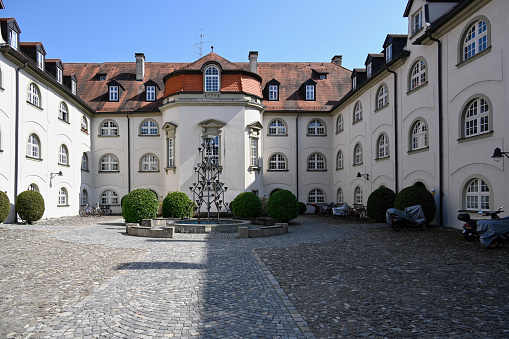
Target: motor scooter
{"points": [[470, 227], [412, 216], [493, 232]]}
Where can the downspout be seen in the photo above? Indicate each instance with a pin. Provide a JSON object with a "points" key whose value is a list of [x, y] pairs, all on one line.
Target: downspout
{"points": [[16, 138], [440, 131], [128, 154], [396, 143], [297, 153]]}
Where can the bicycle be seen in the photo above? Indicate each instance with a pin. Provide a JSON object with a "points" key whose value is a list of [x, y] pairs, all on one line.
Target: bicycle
{"points": [[105, 209], [86, 211], [97, 210]]}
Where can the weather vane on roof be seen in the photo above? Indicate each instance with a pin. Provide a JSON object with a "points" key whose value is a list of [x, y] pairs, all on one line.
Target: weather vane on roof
{"points": [[199, 45]]}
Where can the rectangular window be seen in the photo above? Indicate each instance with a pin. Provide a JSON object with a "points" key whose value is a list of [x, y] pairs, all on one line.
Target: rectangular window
{"points": [[416, 22], [310, 92], [254, 152], [171, 152], [40, 60], [59, 75], [323, 76], [273, 93], [113, 93], [73, 87], [151, 93], [369, 70], [388, 53], [354, 83], [13, 39]]}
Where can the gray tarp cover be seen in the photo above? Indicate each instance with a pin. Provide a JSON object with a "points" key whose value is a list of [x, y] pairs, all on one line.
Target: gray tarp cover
{"points": [[341, 209], [491, 229], [413, 213]]}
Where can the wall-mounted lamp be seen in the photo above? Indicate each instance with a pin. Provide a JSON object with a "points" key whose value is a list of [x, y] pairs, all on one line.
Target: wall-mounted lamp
{"points": [[52, 175], [360, 175], [498, 154]]}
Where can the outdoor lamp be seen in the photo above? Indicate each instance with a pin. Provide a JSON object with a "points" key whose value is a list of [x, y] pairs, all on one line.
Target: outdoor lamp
{"points": [[52, 175], [360, 175], [498, 154]]}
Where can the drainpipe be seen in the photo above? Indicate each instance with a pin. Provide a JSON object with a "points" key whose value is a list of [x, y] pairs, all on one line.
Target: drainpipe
{"points": [[16, 138], [128, 153], [297, 152], [396, 156], [440, 131]]}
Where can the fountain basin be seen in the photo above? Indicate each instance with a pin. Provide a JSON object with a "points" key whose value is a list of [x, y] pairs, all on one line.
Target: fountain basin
{"points": [[192, 226]]}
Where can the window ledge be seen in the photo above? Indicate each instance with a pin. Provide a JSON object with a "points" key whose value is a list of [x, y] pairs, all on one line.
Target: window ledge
{"points": [[381, 108], [84, 131], [254, 168], [316, 170], [108, 136], [417, 88], [278, 170], [382, 159], [474, 57], [340, 168], [158, 171], [414, 33], [476, 137], [357, 121], [64, 121], [34, 106], [63, 205], [64, 165], [337, 132], [34, 159], [109, 171], [85, 170], [277, 135], [316, 135], [419, 150], [358, 164], [149, 135]]}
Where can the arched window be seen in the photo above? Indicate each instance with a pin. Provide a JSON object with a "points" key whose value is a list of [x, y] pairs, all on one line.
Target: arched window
{"points": [[339, 123], [211, 79], [63, 155], [84, 198], [109, 128], [84, 124], [476, 39], [316, 127], [149, 163], [316, 162], [381, 97], [476, 118], [109, 197], [418, 75], [62, 197], [339, 196], [316, 196], [357, 112], [34, 95], [84, 162], [277, 127], [63, 112], [477, 195], [358, 195], [33, 187], [277, 162], [149, 127], [34, 148], [357, 154], [383, 146], [339, 160], [419, 137], [109, 163]]}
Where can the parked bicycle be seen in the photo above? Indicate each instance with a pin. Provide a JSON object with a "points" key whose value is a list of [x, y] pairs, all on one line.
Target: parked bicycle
{"points": [[88, 211], [105, 209]]}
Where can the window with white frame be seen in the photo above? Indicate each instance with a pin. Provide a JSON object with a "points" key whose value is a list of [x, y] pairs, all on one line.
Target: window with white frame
{"points": [[254, 152], [388, 53], [84, 198], [33, 150], [381, 97], [316, 196], [40, 60], [358, 195], [368, 70], [109, 163], [316, 162], [84, 124], [13, 38], [477, 118], [357, 112], [419, 135], [357, 154], [33, 187], [211, 79], [63, 156], [316, 127], [277, 127], [273, 93], [418, 75], [73, 87], [339, 196], [33, 95], [113, 93], [171, 152], [277, 162], [383, 146], [84, 162], [149, 127], [59, 75], [477, 195], [63, 112], [476, 40], [339, 123], [417, 21], [339, 160], [149, 163], [151, 93], [109, 128], [310, 92], [62, 197], [213, 152], [354, 83], [109, 197]]}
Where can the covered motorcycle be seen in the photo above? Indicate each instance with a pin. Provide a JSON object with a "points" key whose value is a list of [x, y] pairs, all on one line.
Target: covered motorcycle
{"points": [[341, 211], [412, 216], [493, 231]]}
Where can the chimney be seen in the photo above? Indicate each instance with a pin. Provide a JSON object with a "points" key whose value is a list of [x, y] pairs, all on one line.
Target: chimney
{"points": [[337, 59], [140, 66], [253, 61]]}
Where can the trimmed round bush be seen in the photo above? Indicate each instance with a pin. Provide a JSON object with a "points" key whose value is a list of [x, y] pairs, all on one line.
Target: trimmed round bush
{"points": [[5, 206], [283, 206], [30, 206], [139, 204], [246, 205], [415, 195], [379, 201], [302, 207], [177, 205]]}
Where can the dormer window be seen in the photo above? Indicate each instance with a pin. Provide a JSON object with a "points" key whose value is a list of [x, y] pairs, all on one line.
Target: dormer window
{"points": [[323, 76], [151, 93], [113, 93], [368, 70], [354, 83], [310, 92], [60, 77], [212, 79], [273, 93], [73, 87], [417, 21], [388, 53], [13, 38], [102, 77], [40, 60]]}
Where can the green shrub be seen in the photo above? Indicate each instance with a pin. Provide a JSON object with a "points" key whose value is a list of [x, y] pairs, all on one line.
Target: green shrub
{"points": [[379, 201], [139, 204], [302, 207], [246, 205], [5, 206], [30, 206], [415, 195], [283, 206], [177, 205]]}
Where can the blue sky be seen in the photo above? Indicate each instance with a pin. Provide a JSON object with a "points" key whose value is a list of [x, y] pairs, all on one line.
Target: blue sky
{"points": [[166, 30]]}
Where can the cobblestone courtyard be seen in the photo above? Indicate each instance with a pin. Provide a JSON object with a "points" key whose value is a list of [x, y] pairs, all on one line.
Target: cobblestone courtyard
{"points": [[325, 279]]}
